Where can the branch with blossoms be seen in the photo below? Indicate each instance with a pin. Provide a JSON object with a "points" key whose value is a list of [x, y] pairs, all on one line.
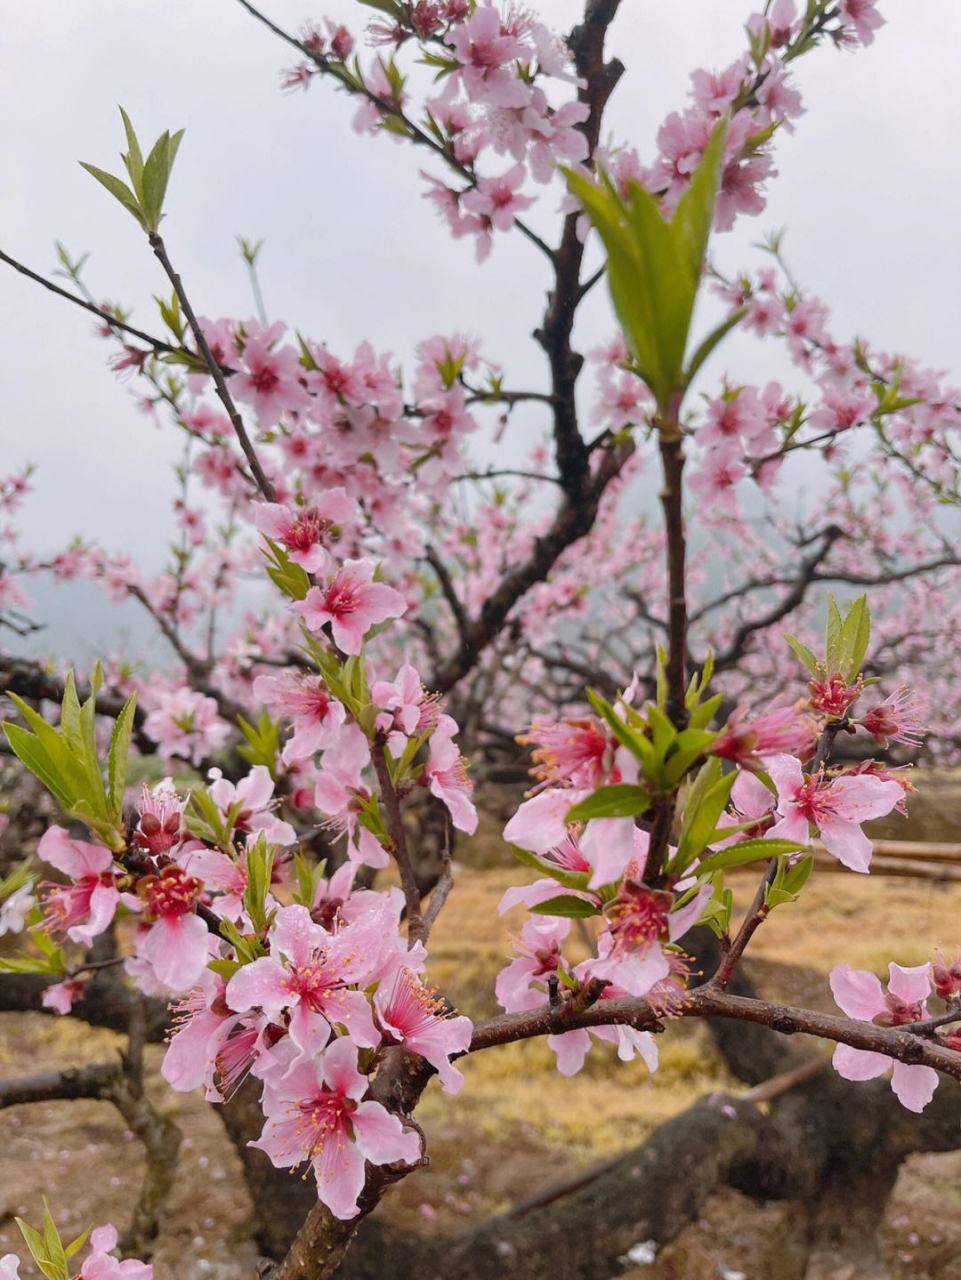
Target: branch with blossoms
{"points": [[315, 986]]}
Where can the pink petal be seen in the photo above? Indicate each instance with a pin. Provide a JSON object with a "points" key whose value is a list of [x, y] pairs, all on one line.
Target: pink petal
{"points": [[608, 845], [540, 825], [339, 1066], [912, 984], [571, 1048], [176, 947], [382, 1137], [263, 984], [75, 858], [185, 1063], [860, 796], [914, 1085], [859, 1064], [296, 935], [857, 992], [787, 775], [793, 826], [846, 842], [339, 1170]]}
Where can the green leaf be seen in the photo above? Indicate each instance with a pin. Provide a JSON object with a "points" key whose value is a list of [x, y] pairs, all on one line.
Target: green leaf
{"points": [[118, 756], [155, 182], [636, 742], [134, 157], [45, 1247], [746, 851], [28, 750], [118, 189], [703, 809], [832, 635], [710, 343], [654, 266], [263, 741], [691, 744], [77, 1243], [788, 882], [566, 905], [802, 652], [622, 800], [854, 639], [569, 879]]}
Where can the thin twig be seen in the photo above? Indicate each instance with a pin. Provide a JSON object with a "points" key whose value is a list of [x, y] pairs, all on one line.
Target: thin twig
{"points": [[264, 484]]}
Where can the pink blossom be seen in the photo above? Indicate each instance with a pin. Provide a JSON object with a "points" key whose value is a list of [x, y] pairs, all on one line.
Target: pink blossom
{"points": [[716, 481], [315, 1114], [83, 909], [352, 603], [304, 700], [409, 1013], [523, 983], [210, 1045], [448, 778], [748, 738], [863, 17], [100, 1264], [896, 719], [407, 708], [498, 199], [270, 380], [484, 50], [310, 975], [186, 724], [861, 996], [841, 409], [61, 996], [161, 817], [249, 803], [307, 531], [176, 943], [578, 752], [836, 809], [339, 793]]}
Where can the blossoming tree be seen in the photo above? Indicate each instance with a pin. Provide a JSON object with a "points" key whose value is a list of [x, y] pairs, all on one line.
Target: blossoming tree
{"points": [[282, 902]]}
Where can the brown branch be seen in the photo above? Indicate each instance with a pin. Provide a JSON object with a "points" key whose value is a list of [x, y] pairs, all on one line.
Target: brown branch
{"points": [[448, 590], [399, 849], [157, 344], [213, 368], [671, 445], [805, 576]]}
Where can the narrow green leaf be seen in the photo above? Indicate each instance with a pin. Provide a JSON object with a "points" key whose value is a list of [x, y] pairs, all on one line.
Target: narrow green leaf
{"points": [[569, 879], [832, 635], [746, 851], [568, 906], [802, 653], [118, 756], [710, 343], [134, 158], [118, 189], [622, 800]]}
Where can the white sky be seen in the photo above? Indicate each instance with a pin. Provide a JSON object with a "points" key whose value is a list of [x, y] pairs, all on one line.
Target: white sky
{"points": [[869, 188]]}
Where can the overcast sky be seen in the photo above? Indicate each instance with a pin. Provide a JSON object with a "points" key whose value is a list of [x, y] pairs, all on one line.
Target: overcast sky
{"points": [[869, 188]]}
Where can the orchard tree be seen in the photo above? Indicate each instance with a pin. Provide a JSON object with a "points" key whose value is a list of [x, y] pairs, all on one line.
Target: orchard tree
{"points": [[280, 892]]}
